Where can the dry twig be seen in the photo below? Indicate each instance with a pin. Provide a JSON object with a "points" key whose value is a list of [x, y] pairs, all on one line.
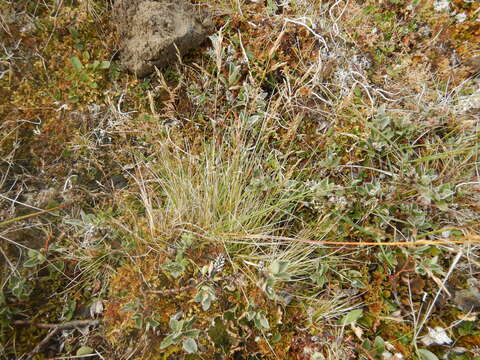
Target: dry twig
{"points": [[18, 218], [63, 326]]}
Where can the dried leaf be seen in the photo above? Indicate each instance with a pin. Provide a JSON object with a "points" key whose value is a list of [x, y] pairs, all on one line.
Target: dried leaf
{"points": [[96, 308], [437, 336]]}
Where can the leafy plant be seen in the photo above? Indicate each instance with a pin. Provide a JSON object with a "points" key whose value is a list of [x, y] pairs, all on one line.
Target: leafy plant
{"points": [[277, 271], [20, 287], [34, 258], [68, 310], [426, 263], [320, 275], [258, 317], [182, 332], [205, 296], [379, 349], [178, 266], [85, 75]]}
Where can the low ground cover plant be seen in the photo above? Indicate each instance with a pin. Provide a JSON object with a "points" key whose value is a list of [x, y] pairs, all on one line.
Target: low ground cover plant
{"points": [[303, 186]]}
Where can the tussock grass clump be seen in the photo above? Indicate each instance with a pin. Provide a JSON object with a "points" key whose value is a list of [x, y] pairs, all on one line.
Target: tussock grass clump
{"points": [[221, 190], [225, 195]]}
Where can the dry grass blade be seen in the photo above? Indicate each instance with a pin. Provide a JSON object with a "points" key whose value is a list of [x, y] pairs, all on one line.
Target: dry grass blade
{"points": [[467, 240], [38, 213]]}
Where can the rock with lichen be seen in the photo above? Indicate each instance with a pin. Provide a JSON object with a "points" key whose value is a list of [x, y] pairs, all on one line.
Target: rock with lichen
{"points": [[153, 33]]}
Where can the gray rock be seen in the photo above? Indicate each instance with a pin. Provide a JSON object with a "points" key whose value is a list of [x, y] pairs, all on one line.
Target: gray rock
{"points": [[151, 31]]}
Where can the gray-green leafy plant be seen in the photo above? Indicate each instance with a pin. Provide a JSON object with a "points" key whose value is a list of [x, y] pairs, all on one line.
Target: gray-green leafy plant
{"points": [[205, 296], [34, 258], [378, 349], [351, 317], [20, 287], [258, 318], [177, 267], [277, 271], [320, 276], [182, 332]]}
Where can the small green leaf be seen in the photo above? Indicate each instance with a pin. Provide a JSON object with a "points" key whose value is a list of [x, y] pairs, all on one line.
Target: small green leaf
{"points": [[176, 325], [30, 263], [193, 333], [351, 317], [189, 322], [169, 340], [74, 99], [205, 296], [132, 306], [190, 346], [261, 321], [74, 32], [379, 345], [84, 77], [20, 287], [152, 322], [138, 319], [276, 338], [77, 64], [427, 355], [199, 297], [104, 65], [56, 267], [34, 258], [268, 287], [250, 315], [69, 310], [206, 303], [176, 268], [264, 323], [84, 350], [278, 267]]}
